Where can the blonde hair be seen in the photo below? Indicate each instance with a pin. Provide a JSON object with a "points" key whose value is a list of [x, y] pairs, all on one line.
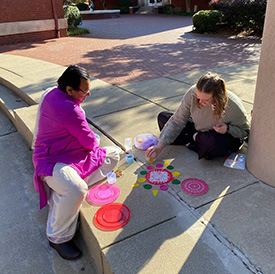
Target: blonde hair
{"points": [[212, 83]]}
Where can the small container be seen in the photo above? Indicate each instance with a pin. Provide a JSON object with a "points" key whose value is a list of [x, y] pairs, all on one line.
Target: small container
{"points": [[129, 158], [128, 144], [111, 178]]}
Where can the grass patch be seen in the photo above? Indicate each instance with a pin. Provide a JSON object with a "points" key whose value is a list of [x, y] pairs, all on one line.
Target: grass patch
{"points": [[72, 31]]}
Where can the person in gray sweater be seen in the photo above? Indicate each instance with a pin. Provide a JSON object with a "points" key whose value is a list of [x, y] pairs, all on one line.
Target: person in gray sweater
{"points": [[210, 120]]}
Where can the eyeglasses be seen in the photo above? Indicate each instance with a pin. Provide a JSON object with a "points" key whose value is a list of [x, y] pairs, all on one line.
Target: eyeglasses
{"points": [[84, 92]]}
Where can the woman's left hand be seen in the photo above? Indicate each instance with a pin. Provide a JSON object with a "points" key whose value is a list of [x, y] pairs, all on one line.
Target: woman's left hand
{"points": [[221, 128]]}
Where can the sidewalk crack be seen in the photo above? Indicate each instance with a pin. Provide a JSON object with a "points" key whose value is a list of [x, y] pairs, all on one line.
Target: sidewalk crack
{"points": [[139, 232]]}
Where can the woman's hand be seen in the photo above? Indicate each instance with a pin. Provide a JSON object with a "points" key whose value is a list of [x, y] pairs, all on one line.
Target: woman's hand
{"points": [[154, 151], [221, 128]]}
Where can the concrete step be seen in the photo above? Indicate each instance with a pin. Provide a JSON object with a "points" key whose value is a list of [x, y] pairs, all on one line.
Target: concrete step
{"points": [[25, 122], [17, 84], [145, 10], [10, 101], [19, 112]]}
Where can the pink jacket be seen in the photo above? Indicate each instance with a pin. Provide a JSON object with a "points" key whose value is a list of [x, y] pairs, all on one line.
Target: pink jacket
{"points": [[63, 136]]}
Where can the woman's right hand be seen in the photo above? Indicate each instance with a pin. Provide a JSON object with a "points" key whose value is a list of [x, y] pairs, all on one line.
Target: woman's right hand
{"points": [[154, 151]]}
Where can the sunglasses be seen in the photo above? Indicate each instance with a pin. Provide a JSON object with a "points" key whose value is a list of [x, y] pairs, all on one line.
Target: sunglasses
{"points": [[84, 92]]}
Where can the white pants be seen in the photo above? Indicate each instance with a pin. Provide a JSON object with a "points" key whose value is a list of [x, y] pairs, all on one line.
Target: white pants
{"points": [[66, 193]]}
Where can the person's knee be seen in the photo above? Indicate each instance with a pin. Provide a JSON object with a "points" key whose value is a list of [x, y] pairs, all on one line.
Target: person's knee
{"points": [[205, 140], [80, 190], [163, 117]]}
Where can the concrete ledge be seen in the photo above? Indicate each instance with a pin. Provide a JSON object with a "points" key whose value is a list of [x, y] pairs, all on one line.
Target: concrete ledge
{"points": [[16, 83], [25, 122], [100, 14], [30, 26]]}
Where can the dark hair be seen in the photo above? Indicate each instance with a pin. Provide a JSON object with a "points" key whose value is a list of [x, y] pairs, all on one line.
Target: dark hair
{"points": [[212, 83], [71, 77]]}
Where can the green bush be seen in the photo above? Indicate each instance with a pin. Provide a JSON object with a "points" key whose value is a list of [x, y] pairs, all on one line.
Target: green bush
{"points": [[82, 6], [72, 31], [72, 14], [123, 6], [168, 9], [207, 20], [242, 15]]}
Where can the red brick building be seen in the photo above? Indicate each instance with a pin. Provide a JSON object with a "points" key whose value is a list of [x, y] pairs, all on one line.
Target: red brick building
{"points": [[179, 4], [30, 20]]}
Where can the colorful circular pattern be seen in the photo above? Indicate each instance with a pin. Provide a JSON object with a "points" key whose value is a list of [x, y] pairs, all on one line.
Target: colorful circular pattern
{"points": [[112, 217], [103, 194], [194, 186], [159, 177]]}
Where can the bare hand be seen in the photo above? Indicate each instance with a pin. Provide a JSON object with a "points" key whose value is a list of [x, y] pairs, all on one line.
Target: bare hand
{"points": [[220, 128], [154, 151]]}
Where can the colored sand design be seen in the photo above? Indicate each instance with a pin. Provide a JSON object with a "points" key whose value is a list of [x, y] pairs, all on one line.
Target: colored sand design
{"points": [[194, 186], [158, 177]]}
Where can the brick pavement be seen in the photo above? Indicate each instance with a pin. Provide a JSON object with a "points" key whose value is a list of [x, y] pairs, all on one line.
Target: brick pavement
{"points": [[133, 48]]}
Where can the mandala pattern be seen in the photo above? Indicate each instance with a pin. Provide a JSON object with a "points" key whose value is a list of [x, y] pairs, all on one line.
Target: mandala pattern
{"points": [[159, 177]]}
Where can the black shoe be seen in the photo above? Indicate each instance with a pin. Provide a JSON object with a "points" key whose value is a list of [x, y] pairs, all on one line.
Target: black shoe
{"points": [[68, 250], [192, 146]]}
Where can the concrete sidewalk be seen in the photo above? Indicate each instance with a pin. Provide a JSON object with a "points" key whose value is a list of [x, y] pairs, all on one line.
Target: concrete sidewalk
{"points": [[229, 229], [136, 48]]}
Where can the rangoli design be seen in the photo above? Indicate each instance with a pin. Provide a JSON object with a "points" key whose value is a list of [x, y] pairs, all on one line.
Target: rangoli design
{"points": [[157, 177]]}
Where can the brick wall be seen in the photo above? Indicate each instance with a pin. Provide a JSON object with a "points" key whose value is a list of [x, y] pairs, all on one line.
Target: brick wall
{"points": [[111, 4], [201, 4], [26, 11], [30, 37]]}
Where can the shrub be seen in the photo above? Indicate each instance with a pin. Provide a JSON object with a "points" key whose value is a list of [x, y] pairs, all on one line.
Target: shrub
{"points": [[72, 14], [124, 5], [207, 20], [72, 31], [168, 9], [82, 6], [242, 14]]}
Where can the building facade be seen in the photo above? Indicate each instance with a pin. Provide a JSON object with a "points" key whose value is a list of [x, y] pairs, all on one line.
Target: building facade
{"points": [[180, 5], [31, 20]]}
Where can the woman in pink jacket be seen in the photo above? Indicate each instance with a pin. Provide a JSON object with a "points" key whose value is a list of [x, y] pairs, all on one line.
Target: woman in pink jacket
{"points": [[67, 157]]}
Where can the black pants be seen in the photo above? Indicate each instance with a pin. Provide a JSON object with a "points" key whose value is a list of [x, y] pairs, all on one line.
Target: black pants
{"points": [[208, 144]]}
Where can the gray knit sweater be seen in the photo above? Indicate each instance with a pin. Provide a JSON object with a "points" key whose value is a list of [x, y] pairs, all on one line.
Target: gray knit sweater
{"points": [[234, 116]]}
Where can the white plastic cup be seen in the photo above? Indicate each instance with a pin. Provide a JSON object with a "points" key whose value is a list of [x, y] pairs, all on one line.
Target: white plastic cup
{"points": [[128, 144], [111, 178], [129, 158]]}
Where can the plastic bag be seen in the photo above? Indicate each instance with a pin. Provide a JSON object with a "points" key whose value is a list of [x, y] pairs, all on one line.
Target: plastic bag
{"points": [[235, 160]]}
